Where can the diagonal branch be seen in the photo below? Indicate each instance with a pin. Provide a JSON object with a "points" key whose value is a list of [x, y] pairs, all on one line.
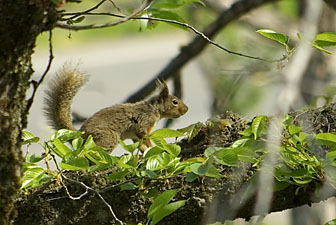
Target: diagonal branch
{"points": [[197, 45]]}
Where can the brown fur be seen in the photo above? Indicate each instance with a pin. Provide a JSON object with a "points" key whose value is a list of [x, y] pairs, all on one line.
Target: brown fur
{"points": [[109, 125]]}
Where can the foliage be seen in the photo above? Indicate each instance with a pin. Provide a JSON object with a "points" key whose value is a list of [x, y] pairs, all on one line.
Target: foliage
{"points": [[321, 40]]}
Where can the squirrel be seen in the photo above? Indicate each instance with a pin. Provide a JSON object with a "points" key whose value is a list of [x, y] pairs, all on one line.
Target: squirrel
{"points": [[109, 125]]}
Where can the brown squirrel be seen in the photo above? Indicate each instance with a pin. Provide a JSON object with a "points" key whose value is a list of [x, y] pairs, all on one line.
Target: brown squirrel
{"points": [[109, 125]]}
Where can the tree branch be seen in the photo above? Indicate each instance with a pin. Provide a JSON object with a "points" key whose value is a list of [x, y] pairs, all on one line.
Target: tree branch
{"points": [[208, 199], [196, 46]]}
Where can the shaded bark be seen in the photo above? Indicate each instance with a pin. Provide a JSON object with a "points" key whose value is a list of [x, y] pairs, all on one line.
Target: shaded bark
{"points": [[208, 199], [20, 23]]}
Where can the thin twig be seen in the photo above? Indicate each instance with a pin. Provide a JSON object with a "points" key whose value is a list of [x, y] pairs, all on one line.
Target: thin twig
{"points": [[97, 193], [74, 15], [138, 11], [94, 26], [75, 198], [37, 84]]}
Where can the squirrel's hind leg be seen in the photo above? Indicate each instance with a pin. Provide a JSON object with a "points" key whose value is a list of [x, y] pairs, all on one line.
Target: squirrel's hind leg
{"points": [[105, 138]]}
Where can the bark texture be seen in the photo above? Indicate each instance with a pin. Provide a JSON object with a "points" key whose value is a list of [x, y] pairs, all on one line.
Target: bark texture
{"points": [[208, 199], [20, 23]]}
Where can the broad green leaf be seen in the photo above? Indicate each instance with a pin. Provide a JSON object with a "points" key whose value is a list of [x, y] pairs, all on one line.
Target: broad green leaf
{"points": [[153, 163], [158, 141], [77, 143], [241, 142], [331, 222], [34, 176], [173, 149], [246, 154], [293, 129], [149, 173], [258, 126], [247, 132], [199, 169], [89, 143], [226, 156], [34, 158], [128, 161], [166, 133], [166, 211], [60, 148], [130, 148], [280, 185], [326, 139], [331, 154], [79, 19], [278, 37], [210, 151], [330, 172], [153, 151], [192, 130], [128, 186], [28, 138], [66, 135], [190, 177], [118, 175], [169, 4], [326, 39], [160, 201], [164, 14], [80, 163]]}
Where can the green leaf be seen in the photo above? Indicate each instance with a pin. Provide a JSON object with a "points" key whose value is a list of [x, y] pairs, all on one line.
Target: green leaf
{"points": [[190, 177], [160, 201], [128, 161], [153, 151], [79, 19], [29, 138], [246, 154], [130, 148], [247, 132], [89, 143], [166, 211], [199, 169], [278, 37], [173, 149], [169, 4], [293, 129], [325, 39], [166, 133], [169, 15], [330, 172], [210, 151], [34, 158], [128, 186], [258, 126], [192, 130], [60, 148], [66, 135], [331, 154], [226, 156], [119, 175], [34, 176], [326, 139], [80, 163], [331, 222], [77, 143]]}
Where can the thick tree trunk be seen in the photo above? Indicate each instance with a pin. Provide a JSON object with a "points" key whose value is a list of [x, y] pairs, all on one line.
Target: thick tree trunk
{"points": [[208, 199], [20, 23]]}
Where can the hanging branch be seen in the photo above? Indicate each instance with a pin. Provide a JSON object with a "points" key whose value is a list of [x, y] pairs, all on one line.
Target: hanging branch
{"points": [[37, 84], [196, 46]]}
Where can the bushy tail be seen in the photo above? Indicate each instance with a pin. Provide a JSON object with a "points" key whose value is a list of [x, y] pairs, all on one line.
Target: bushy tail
{"points": [[59, 95]]}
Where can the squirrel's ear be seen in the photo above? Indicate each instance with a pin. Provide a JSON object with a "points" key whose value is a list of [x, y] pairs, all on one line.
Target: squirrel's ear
{"points": [[164, 88]]}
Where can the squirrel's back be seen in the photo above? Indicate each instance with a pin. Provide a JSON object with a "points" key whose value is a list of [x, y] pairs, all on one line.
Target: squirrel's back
{"points": [[59, 95]]}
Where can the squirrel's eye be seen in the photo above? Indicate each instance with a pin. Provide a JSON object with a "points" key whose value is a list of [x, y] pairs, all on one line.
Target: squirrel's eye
{"points": [[175, 102]]}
